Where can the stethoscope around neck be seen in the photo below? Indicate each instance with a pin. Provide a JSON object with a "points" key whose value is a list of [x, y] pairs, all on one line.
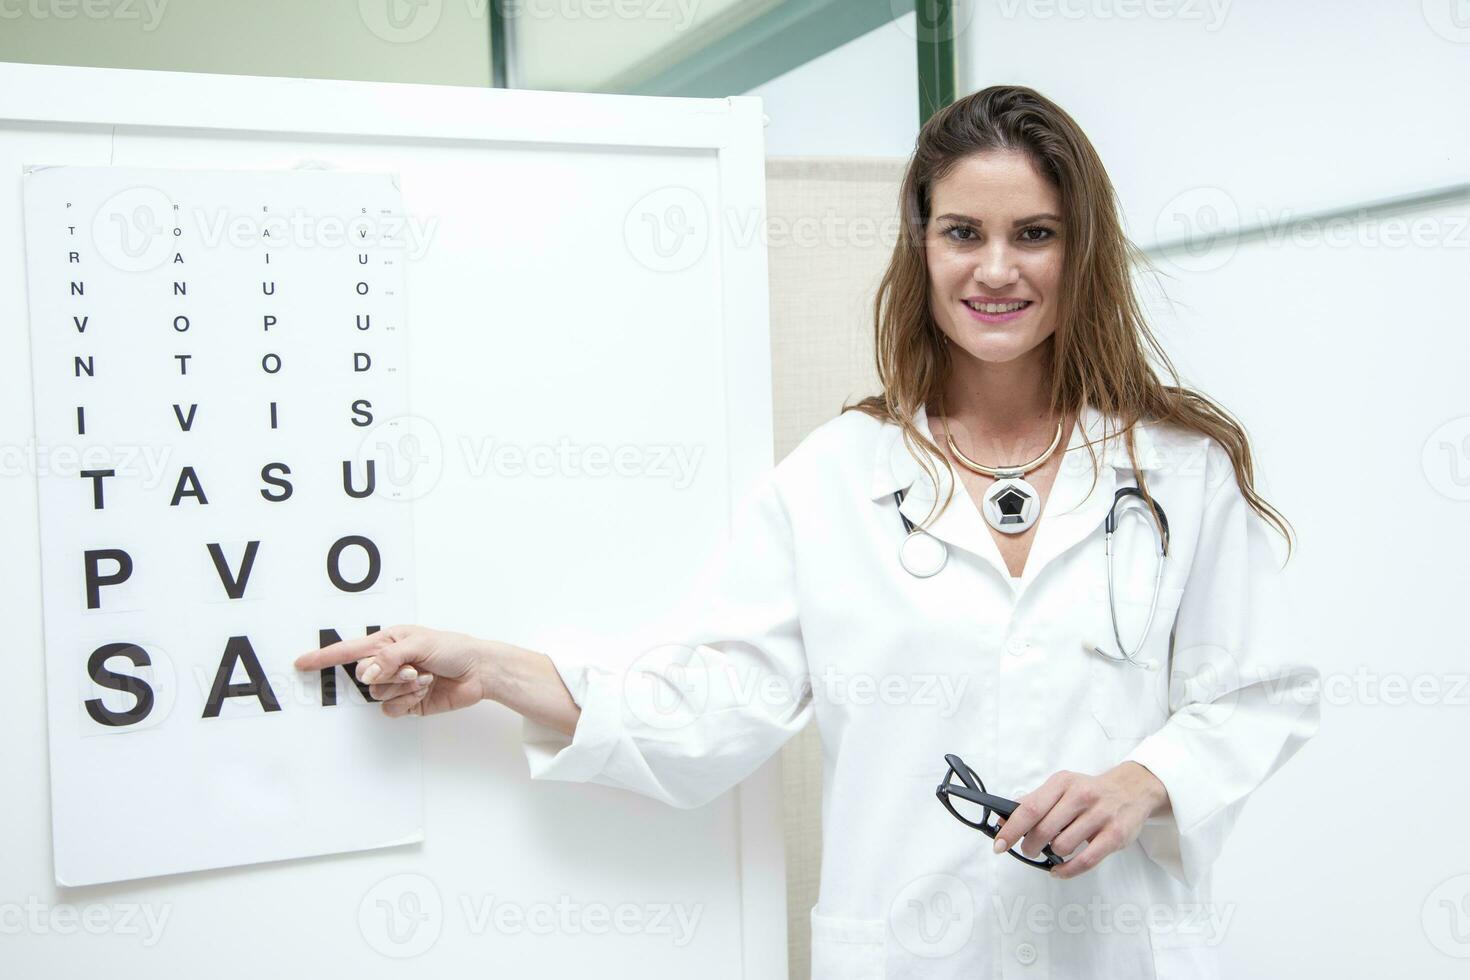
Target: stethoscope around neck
{"points": [[923, 555], [920, 553]]}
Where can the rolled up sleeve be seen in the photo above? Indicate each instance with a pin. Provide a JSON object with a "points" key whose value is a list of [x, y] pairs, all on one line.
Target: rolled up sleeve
{"points": [[1242, 698], [723, 686]]}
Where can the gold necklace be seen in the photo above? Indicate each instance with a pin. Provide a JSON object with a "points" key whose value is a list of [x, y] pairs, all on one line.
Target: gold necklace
{"points": [[1011, 504]]}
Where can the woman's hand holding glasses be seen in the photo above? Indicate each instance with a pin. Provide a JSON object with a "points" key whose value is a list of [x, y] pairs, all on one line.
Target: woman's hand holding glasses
{"points": [[1106, 812]]}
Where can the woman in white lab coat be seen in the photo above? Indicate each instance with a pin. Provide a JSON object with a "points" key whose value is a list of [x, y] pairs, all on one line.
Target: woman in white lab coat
{"points": [[1007, 336]]}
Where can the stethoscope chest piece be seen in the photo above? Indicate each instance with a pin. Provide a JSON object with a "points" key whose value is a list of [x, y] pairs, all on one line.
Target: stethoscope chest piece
{"points": [[922, 554]]}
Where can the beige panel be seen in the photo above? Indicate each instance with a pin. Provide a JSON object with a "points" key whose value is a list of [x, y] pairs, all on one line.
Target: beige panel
{"points": [[831, 226]]}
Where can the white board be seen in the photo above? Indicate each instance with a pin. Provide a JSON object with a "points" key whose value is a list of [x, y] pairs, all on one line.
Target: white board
{"points": [[590, 286]]}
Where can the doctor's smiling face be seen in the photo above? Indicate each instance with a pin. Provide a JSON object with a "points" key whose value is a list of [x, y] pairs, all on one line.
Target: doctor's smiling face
{"points": [[994, 252]]}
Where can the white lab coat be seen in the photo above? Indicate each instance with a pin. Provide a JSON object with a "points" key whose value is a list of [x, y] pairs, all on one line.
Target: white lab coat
{"points": [[806, 612]]}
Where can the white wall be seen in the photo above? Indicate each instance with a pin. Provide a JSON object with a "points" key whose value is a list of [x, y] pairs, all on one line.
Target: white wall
{"points": [[1296, 106], [1343, 350]]}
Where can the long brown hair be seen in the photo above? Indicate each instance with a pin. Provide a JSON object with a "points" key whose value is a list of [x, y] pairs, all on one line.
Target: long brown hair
{"points": [[1099, 348]]}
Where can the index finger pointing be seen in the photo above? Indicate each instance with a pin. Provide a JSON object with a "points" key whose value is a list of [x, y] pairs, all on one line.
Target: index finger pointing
{"points": [[341, 652]]}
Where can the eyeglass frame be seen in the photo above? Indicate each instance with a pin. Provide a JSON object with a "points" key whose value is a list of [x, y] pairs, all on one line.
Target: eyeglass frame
{"points": [[974, 791]]}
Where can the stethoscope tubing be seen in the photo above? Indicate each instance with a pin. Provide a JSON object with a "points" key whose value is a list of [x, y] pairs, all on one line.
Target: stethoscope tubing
{"points": [[922, 555]]}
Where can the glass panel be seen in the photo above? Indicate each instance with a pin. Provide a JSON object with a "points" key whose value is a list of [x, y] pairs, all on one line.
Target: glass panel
{"points": [[698, 48], [615, 45]]}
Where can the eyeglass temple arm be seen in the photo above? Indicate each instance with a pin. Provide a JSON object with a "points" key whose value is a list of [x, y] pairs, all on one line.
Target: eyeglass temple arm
{"points": [[999, 804]]}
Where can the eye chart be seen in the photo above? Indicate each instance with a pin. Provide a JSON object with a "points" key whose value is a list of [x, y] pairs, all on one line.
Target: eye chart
{"points": [[219, 364]]}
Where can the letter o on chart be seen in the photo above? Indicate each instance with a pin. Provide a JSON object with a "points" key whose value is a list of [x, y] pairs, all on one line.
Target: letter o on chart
{"points": [[334, 561]]}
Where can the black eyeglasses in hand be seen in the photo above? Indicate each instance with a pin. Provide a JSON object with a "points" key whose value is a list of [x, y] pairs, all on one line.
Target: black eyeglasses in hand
{"points": [[974, 807]]}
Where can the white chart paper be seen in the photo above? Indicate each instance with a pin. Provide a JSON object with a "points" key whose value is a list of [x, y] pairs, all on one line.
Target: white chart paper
{"points": [[219, 363]]}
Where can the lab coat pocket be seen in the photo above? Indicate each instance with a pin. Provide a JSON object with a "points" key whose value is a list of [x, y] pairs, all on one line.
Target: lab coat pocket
{"points": [[1129, 701], [1179, 957], [848, 949]]}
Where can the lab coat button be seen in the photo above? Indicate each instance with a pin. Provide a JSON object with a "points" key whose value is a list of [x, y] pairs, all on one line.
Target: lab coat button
{"points": [[1017, 645], [1026, 953]]}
